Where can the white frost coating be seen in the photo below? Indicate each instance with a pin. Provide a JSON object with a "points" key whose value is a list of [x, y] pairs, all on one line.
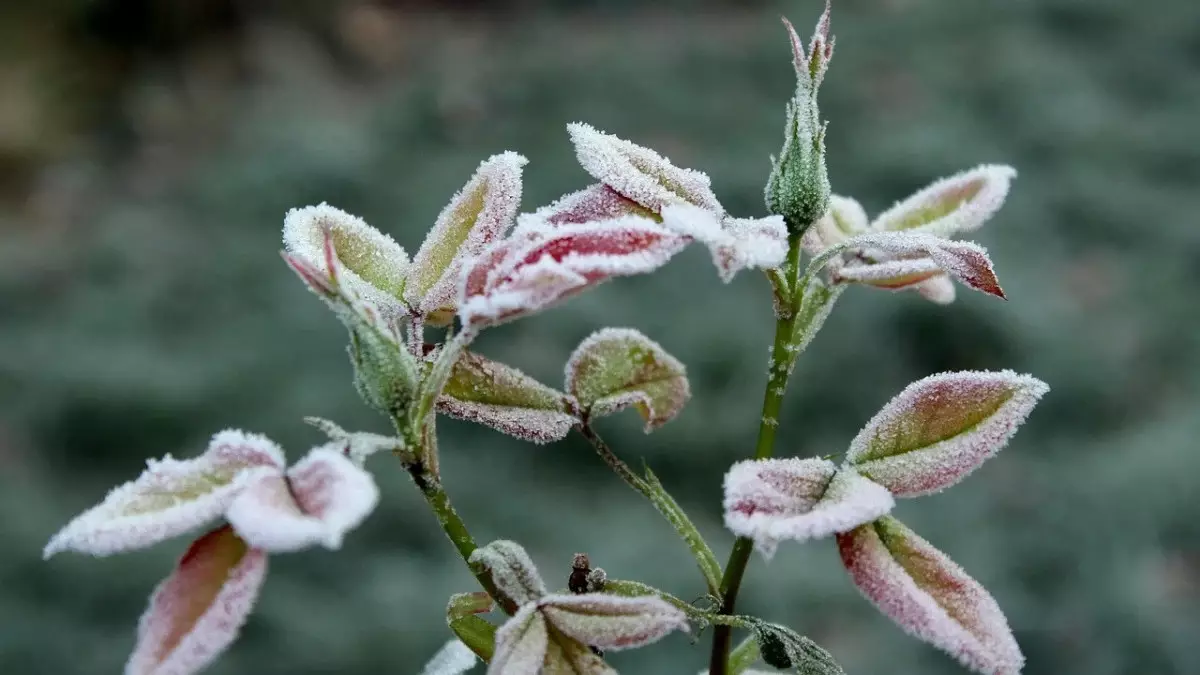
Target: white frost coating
{"points": [[941, 428], [529, 424], [929, 596], [521, 644], [639, 173], [454, 658], [909, 256], [735, 243], [322, 497], [519, 277], [845, 218], [959, 203], [595, 202], [512, 570], [610, 622], [372, 265], [196, 613], [938, 289], [774, 500], [477, 215], [171, 497]]}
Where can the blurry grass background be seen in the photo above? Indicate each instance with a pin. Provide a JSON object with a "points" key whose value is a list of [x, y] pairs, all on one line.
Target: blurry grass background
{"points": [[149, 150]]}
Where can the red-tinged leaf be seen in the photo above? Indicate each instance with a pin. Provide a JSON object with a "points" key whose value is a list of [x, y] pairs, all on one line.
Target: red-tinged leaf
{"points": [[171, 497], [773, 500], [615, 368], [521, 644], [196, 613], [907, 256], [611, 622], [524, 276], [369, 264], [322, 497], [940, 429], [593, 203], [929, 596], [488, 392], [478, 215], [638, 173], [960, 203]]}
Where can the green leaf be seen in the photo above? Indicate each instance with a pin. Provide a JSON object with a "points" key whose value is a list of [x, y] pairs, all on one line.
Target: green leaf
{"points": [[503, 398], [618, 367], [784, 648], [476, 633]]}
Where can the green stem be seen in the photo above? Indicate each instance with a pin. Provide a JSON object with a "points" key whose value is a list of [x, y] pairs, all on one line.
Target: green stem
{"points": [[782, 358]]}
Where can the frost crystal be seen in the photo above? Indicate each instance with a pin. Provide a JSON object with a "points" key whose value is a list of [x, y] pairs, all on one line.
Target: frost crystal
{"points": [[639, 173], [929, 596], [196, 613], [373, 265], [610, 622], [735, 243], [171, 497], [940, 429], [615, 368], [522, 276], [772, 500], [499, 396], [478, 215], [320, 498], [454, 658], [960, 203]]}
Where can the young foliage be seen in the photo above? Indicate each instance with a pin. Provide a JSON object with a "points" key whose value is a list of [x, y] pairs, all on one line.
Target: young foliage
{"points": [[502, 397], [782, 647], [735, 243], [196, 613], [615, 368], [940, 429], [900, 260], [454, 658], [959, 203], [474, 632], [593, 203], [772, 500], [929, 596]]}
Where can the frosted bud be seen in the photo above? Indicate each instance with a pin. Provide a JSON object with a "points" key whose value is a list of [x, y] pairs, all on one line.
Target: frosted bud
{"points": [[941, 428], [499, 396], [771, 500], [960, 203], [478, 215], [611, 622], [784, 648], [615, 368], [512, 570], [929, 596], [196, 613]]}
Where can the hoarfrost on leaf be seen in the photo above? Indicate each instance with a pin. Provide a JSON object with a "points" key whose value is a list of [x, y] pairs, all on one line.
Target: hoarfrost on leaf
{"points": [[959, 203], [478, 215], [454, 658], [502, 397], [595, 202], [512, 570], [171, 497], [196, 613], [735, 243], [929, 596], [772, 500], [783, 647], [638, 173], [897, 260], [612, 622], [941, 428], [521, 644], [617, 367]]}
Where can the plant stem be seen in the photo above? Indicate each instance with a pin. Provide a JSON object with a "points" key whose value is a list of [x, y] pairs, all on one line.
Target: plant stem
{"points": [[782, 358]]}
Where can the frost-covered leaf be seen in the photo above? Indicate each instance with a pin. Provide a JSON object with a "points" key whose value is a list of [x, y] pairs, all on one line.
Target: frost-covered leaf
{"points": [[639, 173], [372, 265], [811, 63], [941, 428], [770, 500], [359, 445], [929, 596], [593, 203], [844, 219], [502, 397], [454, 658], [512, 570], [520, 644], [783, 647], [171, 497], [960, 203], [479, 214], [614, 368], [612, 622], [568, 656], [735, 243], [473, 631], [911, 258], [322, 497], [815, 307], [938, 289], [196, 613], [522, 276]]}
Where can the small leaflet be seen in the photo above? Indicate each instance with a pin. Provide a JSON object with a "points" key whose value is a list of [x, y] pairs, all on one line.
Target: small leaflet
{"points": [[941, 428], [773, 500], [521, 644], [499, 396], [454, 658], [611, 622], [615, 368], [911, 258], [735, 243], [512, 570], [960, 203], [929, 596], [784, 648], [638, 173], [595, 202], [196, 613], [478, 215], [373, 266], [171, 497]]}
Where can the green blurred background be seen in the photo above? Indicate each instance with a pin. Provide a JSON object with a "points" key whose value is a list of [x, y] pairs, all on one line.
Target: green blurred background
{"points": [[148, 152]]}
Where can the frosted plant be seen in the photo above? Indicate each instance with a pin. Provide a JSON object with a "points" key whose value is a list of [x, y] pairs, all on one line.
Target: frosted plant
{"points": [[483, 264]]}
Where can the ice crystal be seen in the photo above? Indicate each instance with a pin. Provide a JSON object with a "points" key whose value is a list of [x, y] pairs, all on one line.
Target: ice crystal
{"points": [[512, 570], [595, 202]]}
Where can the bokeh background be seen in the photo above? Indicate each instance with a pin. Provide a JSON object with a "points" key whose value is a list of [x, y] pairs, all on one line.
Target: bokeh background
{"points": [[148, 152]]}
